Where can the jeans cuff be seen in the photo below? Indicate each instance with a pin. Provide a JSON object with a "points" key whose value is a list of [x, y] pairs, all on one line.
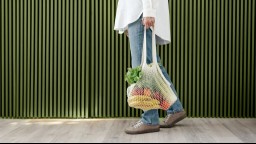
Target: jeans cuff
{"points": [[150, 123], [175, 111]]}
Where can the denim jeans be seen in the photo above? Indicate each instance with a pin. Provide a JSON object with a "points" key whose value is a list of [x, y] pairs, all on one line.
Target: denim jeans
{"points": [[136, 36]]}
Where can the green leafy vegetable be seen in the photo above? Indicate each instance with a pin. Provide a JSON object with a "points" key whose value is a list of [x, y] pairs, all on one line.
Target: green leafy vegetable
{"points": [[133, 75]]}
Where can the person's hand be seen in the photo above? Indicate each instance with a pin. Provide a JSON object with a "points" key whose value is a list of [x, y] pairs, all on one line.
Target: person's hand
{"points": [[148, 22]]}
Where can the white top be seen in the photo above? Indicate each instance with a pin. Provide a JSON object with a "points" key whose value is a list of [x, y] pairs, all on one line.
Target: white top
{"points": [[129, 11]]}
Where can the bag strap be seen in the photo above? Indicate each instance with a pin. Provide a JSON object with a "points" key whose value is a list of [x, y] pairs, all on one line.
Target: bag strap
{"points": [[144, 51]]}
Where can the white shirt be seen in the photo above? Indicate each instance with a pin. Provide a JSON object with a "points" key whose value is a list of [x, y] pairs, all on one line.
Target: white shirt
{"points": [[129, 11]]}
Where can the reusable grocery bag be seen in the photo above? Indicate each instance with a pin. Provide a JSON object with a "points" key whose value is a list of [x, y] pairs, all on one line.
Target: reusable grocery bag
{"points": [[152, 90]]}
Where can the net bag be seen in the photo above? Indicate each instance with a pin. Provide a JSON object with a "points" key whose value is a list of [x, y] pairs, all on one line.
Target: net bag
{"points": [[152, 90]]}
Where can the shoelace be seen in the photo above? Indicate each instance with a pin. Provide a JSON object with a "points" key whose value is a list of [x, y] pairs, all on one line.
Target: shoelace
{"points": [[167, 117], [137, 124]]}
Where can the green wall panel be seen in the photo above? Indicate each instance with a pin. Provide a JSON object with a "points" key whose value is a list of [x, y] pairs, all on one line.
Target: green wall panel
{"points": [[62, 58]]}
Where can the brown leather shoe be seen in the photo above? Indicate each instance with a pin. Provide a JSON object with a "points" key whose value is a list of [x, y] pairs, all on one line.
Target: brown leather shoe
{"points": [[171, 119], [140, 128]]}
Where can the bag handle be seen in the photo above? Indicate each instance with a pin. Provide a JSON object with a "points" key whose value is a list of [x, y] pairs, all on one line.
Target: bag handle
{"points": [[144, 51]]}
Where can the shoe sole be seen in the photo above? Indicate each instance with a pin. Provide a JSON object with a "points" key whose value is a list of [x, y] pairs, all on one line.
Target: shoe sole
{"points": [[176, 121], [143, 132]]}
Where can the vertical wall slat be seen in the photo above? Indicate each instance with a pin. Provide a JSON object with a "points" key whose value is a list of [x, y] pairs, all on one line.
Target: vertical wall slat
{"points": [[117, 99], [28, 56], [73, 55], [91, 67], [237, 57], [226, 67], [109, 99], [196, 33], [174, 37], [186, 40], [51, 60], [32, 14], [249, 82], [36, 28], [40, 54], [233, 58], [43, 58], [190, 57], [62, 33], [83, 61], [110, 107], [177, 70], [218, 47], [194, 48], [181, 52], [241, 57], [253, 86], [230, 35], [25, 58], [206, 70], [214, 61], [245, 49], [111, 89], [221, 63], [96, 60], [74, 75], [210, 77], [71, 58], [14, 60], [198, 47], [6, 57], [47, 59], [2, 58], [79, 30], [103, 33], [202, 59], [101, 94], [87, 59], [10, 41], [56, 65], [67, 59]]}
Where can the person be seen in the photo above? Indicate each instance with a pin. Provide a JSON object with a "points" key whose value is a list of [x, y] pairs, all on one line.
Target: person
{"points": [[131, 18]]}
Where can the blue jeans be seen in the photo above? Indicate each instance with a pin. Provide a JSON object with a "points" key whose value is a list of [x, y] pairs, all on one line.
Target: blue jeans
{"points": [[136, 36]]}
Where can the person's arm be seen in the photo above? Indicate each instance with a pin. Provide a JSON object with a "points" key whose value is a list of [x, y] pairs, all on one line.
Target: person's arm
{"points": [[149, 8], [149, 12]]}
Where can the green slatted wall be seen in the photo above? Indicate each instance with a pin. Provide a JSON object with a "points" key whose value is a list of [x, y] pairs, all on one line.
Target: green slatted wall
{"points": [[62, 59]]}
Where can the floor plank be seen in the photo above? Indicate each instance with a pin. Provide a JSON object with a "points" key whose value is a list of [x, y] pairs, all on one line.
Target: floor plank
{"points": [[190, 130]]}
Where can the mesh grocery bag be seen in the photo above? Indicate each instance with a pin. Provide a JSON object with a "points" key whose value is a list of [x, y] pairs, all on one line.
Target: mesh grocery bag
{"points": [[152, 90]]}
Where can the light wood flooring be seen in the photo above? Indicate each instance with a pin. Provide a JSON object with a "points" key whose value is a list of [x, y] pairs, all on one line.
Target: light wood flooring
{"points": [[190, 130]]}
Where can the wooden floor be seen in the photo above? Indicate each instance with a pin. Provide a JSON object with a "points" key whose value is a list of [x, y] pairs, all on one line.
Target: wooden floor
{"points": [[112, 130]]}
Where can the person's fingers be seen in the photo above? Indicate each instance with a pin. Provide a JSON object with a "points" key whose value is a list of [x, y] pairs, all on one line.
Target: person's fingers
{"points": [[148, 25], [148, 22], [145, 23], [151, 22]]}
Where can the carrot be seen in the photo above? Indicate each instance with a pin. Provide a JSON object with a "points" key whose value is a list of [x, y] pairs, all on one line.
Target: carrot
{"points": [[164, 105]]}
